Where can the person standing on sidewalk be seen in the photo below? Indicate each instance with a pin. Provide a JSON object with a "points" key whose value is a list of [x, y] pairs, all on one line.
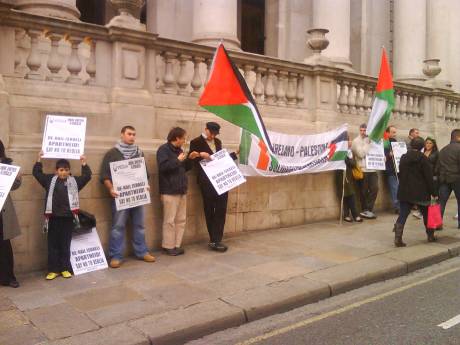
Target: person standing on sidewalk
{"points": [[449, 171], [369, 186], [9, 229], [173, 164], [61, 209], [124, 149], [215, 205], [390, 168], [347, 188], [416, 187], [432, 153]]}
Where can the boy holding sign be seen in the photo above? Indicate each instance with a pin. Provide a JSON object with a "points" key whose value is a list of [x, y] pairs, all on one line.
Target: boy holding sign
{"points": [[62, 206]]}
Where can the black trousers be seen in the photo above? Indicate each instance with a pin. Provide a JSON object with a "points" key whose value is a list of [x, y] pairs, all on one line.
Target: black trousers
{"points": [[349, 205], [6, 258], [215, 211], [59, 238], [368, 189]]}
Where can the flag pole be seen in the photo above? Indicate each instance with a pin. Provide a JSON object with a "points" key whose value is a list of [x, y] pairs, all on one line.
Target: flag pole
{"points": [[344, 173]]}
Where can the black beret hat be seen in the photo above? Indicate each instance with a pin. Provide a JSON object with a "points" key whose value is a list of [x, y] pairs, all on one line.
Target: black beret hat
{"points": [[213, 127]]}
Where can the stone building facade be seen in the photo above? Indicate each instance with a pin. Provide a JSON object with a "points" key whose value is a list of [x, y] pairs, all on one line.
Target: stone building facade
{"points": [[126, 62]]}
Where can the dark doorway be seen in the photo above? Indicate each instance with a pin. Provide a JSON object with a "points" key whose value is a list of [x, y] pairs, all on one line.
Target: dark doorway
{"points": [[253, 26], [92, 11]]}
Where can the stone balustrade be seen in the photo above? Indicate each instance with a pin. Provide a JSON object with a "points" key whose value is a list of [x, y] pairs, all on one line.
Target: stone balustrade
{"points": [[355, 94]]}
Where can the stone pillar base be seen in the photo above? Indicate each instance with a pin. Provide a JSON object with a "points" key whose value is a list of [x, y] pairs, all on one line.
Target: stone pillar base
{"points": [[125, 20], [213, 39], [50, 8]]}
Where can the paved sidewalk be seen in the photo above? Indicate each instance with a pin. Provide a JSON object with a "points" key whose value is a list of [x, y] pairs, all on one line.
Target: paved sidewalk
{"points": [[181, 298]]}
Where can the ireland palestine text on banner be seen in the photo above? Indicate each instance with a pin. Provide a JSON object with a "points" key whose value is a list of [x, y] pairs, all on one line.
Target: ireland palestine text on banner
{"points": [[64, 137], [129, 179]]}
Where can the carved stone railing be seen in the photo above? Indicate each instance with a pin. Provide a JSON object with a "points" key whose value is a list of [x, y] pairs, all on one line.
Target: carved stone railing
{"points": [[356, 93]]}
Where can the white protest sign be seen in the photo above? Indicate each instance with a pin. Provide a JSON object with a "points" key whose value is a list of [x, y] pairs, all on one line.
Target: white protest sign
{"points": [[86, 253], [375, 158], [399, 148], [64, 137], [129, 178], [8, 174], [222, 172]]}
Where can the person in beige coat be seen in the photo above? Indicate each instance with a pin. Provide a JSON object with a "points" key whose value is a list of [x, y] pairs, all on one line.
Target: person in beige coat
{"points": [[9, 229]]}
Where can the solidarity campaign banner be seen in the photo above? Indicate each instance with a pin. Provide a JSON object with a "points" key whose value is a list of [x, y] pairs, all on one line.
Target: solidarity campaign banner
{"points": [[129, 179], [86, 253], [399, 148], [64, 137], [375, 158], [8, 174], [222, 172], [294, 154]]}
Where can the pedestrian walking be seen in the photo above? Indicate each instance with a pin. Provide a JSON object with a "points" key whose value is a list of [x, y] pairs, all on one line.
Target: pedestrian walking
{"points": [[9, 229], [449, 171], [416, 187]]}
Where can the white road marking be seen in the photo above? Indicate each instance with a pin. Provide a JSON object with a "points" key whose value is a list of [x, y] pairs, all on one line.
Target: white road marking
{"points": [[450, 323]]}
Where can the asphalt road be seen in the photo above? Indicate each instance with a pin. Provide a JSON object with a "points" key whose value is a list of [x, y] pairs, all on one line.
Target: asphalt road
{"points": [[407, 310]]}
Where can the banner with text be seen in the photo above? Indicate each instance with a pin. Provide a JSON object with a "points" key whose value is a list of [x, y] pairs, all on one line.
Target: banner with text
{"points": [[8, 174], [64, 137], [399, 148], [129, 178], [86, 253], [222, 172], [375, 158], [294, 154]]}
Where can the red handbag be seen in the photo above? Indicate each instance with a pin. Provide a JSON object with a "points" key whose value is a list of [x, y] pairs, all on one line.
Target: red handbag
{"points": [[434, 216]]}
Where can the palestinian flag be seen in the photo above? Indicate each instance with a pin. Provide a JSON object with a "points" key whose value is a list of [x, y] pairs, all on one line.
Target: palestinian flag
{"points": [[338, 147], [383, 103], [227, 96]]}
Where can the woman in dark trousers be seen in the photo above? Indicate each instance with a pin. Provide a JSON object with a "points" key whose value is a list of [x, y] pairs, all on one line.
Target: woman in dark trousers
{"points": [[9, 229], [416, 187], [347, 187]]}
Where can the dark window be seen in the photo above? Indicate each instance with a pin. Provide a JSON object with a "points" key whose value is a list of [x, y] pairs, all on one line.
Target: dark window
{"points": [[253, 26], [92, 11]]}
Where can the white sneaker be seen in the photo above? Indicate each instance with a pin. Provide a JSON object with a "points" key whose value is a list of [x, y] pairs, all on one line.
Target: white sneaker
{"points": [[417, 214]]}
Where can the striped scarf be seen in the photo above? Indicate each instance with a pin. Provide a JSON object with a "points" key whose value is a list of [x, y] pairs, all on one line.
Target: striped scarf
{"points": [[74, 201], [128, 151]]}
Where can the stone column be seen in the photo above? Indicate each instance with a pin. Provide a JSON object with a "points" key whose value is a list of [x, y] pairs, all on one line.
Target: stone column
{"points": [[215, 20], [65, 9], [334, 15], [454, 45], [409, 40], [438, 36]]}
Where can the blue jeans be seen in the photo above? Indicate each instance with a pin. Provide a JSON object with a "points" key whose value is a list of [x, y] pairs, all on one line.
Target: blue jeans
{"points": [[117, 233], [445, 190], [393, 185]]}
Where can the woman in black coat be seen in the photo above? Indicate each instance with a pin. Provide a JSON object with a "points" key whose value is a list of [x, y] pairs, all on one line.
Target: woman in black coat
{"points": [[432, 153], [416, 187]]}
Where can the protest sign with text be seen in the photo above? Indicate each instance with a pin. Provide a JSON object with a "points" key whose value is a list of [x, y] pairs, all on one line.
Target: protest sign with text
{"points": [[8, 174], [399, 148], [222, 172], [86, 253], [375, 158], [129, 178], [64, 137]]}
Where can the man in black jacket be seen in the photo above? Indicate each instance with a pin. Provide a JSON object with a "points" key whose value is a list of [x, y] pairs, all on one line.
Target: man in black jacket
{"points": [[390, 171], [449, 171], [215, 205], [173, 164]]}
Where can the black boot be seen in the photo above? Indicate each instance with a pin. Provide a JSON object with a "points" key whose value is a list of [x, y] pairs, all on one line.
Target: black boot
{"points": [[430, 235], [398, 230]]}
